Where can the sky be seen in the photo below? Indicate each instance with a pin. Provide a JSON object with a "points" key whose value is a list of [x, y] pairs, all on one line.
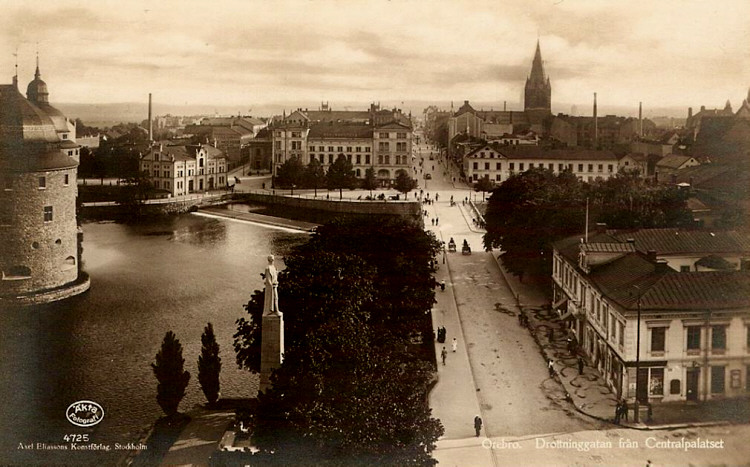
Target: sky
{"points": [[251, 53]]}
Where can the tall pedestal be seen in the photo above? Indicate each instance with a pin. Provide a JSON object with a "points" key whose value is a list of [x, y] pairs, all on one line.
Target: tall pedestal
{"points": [[271, 347]]}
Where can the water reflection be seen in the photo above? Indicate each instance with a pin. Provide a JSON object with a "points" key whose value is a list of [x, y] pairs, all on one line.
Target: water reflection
{"points": [[175, 274]]}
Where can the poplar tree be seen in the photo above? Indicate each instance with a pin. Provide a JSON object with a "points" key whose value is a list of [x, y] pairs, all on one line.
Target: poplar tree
{"points": [[170, 373], [209, 365]]}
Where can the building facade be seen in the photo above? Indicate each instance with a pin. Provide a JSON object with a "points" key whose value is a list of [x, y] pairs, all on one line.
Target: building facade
{"points": [[655, 333], [499, 162], [180, 169], [38, 159]]}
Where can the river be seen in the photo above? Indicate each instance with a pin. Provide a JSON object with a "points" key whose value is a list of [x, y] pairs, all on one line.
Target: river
{"points": [[171, 274]]}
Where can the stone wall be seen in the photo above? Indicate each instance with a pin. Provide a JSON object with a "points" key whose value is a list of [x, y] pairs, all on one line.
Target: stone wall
{"points": [[410, 210], [46, 249]]}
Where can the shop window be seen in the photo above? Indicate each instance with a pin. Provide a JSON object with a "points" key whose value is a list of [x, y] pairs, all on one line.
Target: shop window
{"points": [[656, 382]]}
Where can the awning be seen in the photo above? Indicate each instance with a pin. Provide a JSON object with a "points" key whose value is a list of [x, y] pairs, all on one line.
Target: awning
{"points": [[559, 303]]}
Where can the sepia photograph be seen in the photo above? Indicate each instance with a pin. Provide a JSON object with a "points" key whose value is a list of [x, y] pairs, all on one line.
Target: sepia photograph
{"points": [[469, 233]]}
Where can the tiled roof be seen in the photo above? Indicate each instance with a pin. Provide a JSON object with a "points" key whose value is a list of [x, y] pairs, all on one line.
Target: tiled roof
{"points": [[608, 247], [659, 287], [672, 161], [674, 241], [715, 262], [339, 130], [337, 115]]}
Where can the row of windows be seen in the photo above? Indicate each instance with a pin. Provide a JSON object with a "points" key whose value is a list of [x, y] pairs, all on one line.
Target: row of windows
{"points": [[387, 135], [384, 146], [655, 378], [340, 149], [42, 182], [550, 166]]}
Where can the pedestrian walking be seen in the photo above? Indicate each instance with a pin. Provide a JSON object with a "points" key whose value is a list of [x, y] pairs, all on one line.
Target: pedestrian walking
{"points": [[437, 219], [454, 345], [624, 409], [442, 286], [432, 221], [551, 367], [444, 355], [477, 424], [618, 412], [580, 365]]}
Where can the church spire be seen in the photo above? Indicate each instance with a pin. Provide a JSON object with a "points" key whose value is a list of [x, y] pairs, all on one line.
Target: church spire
{"points": [[537, 66], [37, 75]]}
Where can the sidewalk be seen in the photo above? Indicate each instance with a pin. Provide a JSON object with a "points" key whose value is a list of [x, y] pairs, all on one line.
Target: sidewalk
{"points": [[588, 391], [200, 438]]}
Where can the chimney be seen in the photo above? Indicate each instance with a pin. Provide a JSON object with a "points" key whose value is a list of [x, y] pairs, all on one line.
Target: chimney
{"points": [[690, 113], [505, 104], [651, 255], [596, 126], [466, 102], [150, 121], [640, 119]]}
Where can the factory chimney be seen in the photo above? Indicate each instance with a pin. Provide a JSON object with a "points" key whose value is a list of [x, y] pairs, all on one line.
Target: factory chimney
{"points": [[150, 120], [596, 126]]}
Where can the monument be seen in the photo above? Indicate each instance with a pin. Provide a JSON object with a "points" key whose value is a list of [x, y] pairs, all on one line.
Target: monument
{"points": [[272, 327]]}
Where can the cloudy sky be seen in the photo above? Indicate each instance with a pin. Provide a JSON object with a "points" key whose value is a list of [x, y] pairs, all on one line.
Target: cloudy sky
{"points": [[254, 53]]}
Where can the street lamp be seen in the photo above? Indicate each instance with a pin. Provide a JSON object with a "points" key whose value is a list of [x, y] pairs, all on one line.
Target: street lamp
{"points": [[637, 356]]}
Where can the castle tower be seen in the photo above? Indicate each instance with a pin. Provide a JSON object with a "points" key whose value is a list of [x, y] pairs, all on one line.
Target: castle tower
{"points": [[538, 91], [38, 228]]}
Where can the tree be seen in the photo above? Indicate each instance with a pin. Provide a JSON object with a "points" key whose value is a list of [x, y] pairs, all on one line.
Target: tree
{"points": [[370, 183], [484, 185], [134, 192], [341, 175], [170, 373], [290, 173], [314, 175], [209, 365], [404, 183], [529, 211]]}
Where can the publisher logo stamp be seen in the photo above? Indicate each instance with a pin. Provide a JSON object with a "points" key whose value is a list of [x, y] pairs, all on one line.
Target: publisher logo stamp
{"points": [[84, 413]]}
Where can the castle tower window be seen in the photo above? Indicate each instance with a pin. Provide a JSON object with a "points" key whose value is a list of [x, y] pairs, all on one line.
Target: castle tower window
{"points": [[42, 183], [48, 214], [69, 263], [66, 180], [17, 273]]}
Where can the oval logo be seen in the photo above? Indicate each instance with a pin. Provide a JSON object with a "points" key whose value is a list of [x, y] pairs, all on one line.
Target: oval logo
{"points": [[84, 413]]}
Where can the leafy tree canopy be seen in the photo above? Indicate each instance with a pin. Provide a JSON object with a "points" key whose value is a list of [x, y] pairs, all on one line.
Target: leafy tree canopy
{"points": [[341, 175], [290, 173], [404, 183]]}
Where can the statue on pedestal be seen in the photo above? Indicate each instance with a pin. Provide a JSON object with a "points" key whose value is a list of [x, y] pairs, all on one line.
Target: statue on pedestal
{"points": [[271, 282]]}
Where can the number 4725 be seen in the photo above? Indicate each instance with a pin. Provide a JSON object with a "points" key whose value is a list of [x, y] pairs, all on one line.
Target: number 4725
{"points": [[76, 438]]}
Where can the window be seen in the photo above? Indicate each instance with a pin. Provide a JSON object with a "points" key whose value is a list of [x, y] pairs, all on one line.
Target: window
{"points": [[42, 182], [321, 148], [359, 158], [610, 168], [621, 334], [66, 179], [580, 167], [401, 135], [367, 158], [278, 145], [296, 134], [312, 148], [600, 168], [380, 159], [322, 158], [383, 135], [551, 166], [560, 167], [340, 149], [684, 268], [387, 159], [48, 214], [358, 149], [486, 166], [747, 344], [531, 165], [498, 178], [498, 166], [476, 165], [656, 382], [383, 146], [512, 166], [401, 147], [717, 379], [613, 331], [330, 148], [520, 166], [367, 149], [330, 158], [693, 338], [348, 149], [718, 337], [658, 337], [591, 167]]}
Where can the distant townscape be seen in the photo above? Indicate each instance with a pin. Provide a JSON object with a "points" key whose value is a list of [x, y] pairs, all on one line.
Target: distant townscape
{"points": [[591, 272]]}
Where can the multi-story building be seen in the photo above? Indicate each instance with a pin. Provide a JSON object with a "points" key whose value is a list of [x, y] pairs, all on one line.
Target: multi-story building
{"points": [[392, 146], [326, 141], [38, 229], [499, 162], [324, 134], [183, 168], [654, 332]]}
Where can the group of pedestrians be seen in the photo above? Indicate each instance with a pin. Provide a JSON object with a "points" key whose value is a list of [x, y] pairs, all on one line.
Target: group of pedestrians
{"points": [[621, 411]]}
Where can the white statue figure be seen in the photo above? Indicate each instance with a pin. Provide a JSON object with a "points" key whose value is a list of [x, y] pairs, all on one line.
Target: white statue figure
{"points": [[271, 282]]}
